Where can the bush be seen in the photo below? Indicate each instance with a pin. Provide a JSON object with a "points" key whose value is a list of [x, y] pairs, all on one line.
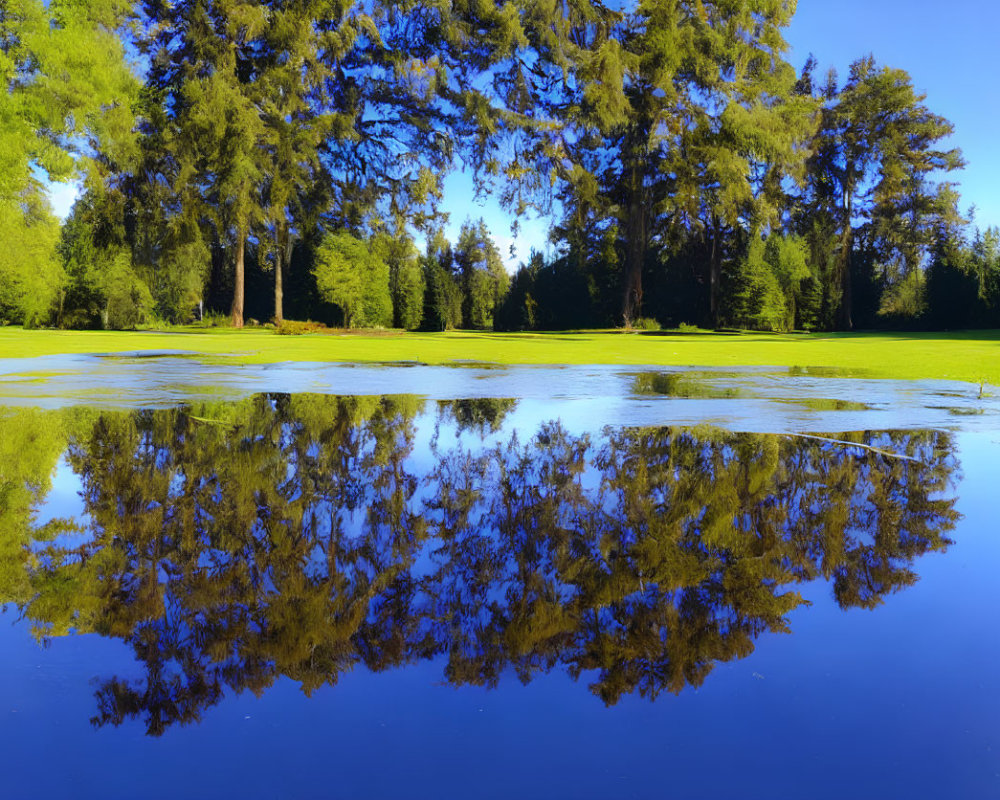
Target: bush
{"points": [[904, 301], [128, 301], [646, 324], [290, 327], [215, 319]]}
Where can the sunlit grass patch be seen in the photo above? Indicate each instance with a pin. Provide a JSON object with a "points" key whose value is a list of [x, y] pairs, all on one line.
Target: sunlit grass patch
{"points": [[973, 357]]}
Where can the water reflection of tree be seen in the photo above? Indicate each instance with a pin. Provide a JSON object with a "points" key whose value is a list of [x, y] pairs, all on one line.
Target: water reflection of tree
{"points": [[287, 536], [31, 442], [688, 550], [482, 414], [233, 549]]}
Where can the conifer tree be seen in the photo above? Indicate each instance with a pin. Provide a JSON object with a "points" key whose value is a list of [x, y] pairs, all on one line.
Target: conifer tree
{"points": [[872, 158], [681, 119]]}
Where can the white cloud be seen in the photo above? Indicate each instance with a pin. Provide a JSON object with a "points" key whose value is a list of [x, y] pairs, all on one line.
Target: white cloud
{"points": [[62, 196]]}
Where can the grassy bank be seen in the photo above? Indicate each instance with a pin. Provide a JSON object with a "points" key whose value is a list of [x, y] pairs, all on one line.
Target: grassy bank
{"points": [[966, 356]]}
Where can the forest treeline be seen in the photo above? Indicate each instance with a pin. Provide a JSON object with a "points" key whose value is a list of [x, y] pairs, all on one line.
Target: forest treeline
{"points": [[281, 159]]}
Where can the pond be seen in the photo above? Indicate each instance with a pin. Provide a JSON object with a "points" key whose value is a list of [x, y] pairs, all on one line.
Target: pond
{"points": [[322, 580]]}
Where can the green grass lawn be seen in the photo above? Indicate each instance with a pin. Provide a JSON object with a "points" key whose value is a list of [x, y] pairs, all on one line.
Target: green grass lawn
{"points": [[966, 356]]}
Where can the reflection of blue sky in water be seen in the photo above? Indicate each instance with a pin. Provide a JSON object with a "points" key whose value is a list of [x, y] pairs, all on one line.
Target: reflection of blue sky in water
{"points": [[760, 399], [63, 499], [819, 713]]}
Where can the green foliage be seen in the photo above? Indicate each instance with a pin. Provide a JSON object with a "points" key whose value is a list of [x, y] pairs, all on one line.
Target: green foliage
{"points": [[646, 324], [773, 288], [697, 108], [31, 276], [905, 299], [482, 415], [442, 297], [406, 281], [558, 295], [288, 327], [353, 275], [753, 297], [66, 84], [266, 117], [31, 442], [641, 557], [481, 274], [128, 302], [681, 384], [83, 262], [66, 104], [179, 277], [671, 133], [102, 288], [873, 155]]}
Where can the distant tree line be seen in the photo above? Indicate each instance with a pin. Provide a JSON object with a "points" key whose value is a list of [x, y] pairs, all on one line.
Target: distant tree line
{"points": [[263, 159]]}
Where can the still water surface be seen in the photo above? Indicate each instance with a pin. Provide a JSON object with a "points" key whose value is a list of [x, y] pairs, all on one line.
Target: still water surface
{"points": [[282, 595]]}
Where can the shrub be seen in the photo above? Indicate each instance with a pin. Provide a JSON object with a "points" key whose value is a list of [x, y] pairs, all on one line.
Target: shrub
{"points": [[290, 327], [128, 302]]}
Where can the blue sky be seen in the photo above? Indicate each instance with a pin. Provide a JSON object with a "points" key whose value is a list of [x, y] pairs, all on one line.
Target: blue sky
{"points": [[952, 51]]}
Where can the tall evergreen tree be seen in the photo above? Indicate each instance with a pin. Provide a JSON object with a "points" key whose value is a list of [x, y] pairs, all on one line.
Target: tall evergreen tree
{"points": [[682, 118], [366, 100], [873, 156], [481, 275]]}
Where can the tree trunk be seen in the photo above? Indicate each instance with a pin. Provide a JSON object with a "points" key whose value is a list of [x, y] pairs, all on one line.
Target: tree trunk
{"points": [[278, 289], [846, 323], [238, 284], [714, 271], [636, 233], [846, 298]]}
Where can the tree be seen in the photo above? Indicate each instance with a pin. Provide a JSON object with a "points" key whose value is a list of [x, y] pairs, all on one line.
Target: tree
{"points": [[31, 276], [689, 125], [280, 114], [406, 280], [66, 87], [481, 275], [103, 289], [31, 442], [873, 155], [203, 72], [986, 264], [66, 83], [352, 274], [442, 294], [752, 295], [953, 288], [772, 288], [232, 544]]}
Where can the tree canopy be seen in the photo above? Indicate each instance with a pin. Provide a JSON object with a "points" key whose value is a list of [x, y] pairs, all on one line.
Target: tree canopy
{"points": [[692, 174]]}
